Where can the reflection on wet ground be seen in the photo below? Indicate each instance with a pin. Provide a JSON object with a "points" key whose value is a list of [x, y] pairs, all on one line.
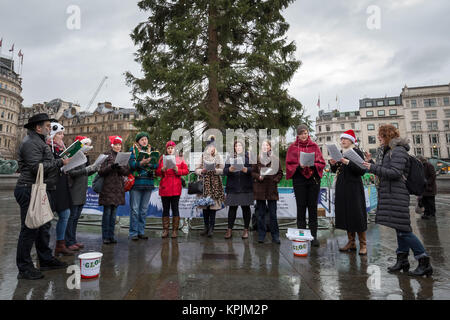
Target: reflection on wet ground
{"points": [[194, 267]]}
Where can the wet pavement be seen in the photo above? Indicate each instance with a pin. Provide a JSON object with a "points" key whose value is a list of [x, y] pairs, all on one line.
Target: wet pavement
{"points": [[194, 267]]}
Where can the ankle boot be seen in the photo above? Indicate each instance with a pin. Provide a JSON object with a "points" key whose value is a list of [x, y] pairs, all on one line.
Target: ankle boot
{"points": [[401, 264], [175, 225], [424, 268], [62, 249], [362, 243], [210, 231], [166, 225], [229, 234], [350, 246], [245, 234]]}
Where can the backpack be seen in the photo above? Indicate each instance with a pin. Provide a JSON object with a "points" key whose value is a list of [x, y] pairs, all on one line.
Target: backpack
{"points": [[97, 184], [416, 181]]}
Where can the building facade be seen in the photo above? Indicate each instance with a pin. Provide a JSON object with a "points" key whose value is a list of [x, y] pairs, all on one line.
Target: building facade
{"points": [[10, 106], [427, 118], [376, 112], [330, 126]]}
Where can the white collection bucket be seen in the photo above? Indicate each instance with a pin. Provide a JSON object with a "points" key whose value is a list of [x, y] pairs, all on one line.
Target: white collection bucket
{"points": [[300, 248], [90, 264]]}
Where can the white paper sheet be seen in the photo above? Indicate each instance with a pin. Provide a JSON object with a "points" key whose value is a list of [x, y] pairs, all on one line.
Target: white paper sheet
{"points": [[266, 171], [209, 166], [101, 158], [237, 163], [169, 161], [77, 160], [334, 152], [122, 158], [354, 157], [307, 159]]}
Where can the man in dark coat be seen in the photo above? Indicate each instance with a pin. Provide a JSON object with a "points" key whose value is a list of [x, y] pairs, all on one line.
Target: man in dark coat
{"points": [[427, 198], [33, 151]]}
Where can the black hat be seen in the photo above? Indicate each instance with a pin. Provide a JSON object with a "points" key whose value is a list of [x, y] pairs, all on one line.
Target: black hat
{"points": [[38, 118]]}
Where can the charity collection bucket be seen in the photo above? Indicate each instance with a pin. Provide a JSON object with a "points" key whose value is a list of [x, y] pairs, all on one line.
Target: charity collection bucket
{"points": [[90, 264], [300, 248]]}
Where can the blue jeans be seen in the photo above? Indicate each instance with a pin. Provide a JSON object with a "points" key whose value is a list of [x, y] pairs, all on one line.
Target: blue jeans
{"points": [[408, 240], [262, 207], [139, 204], [108, 222], [71, 230], [62, 224]]}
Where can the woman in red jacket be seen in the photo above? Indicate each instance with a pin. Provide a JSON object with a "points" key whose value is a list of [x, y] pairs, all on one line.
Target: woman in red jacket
{"points": [[170, 189], [306, 179]]}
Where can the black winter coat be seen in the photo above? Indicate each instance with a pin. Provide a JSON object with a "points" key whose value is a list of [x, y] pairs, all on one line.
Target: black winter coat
{"points": [[350, 200], [61, 196], [393, 196], [239, 182], [430, 176]]}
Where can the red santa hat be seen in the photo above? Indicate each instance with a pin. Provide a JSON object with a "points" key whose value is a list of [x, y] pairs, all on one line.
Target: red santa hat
{"points": [[83, 139], [115, 140], [350, 135]]}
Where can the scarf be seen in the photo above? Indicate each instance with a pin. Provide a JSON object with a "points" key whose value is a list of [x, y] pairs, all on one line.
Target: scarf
{"points": [[57, 147], [293, 158]]}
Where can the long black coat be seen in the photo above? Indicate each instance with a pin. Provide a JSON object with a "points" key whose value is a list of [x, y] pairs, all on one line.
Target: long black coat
{"points": [[350, 200], [393, 196], [239, 182], [430, 176]]}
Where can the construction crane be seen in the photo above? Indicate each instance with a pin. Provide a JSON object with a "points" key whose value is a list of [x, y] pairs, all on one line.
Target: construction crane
{"points": [[96, 93]]}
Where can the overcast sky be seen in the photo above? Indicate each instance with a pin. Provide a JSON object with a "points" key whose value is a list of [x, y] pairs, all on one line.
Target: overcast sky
{"points": [[340, 55]]}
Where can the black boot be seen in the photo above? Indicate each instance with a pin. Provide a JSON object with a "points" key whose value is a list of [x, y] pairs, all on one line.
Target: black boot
{"points": [[402, 263], [315, 242], [424, 268], [205, 231]]}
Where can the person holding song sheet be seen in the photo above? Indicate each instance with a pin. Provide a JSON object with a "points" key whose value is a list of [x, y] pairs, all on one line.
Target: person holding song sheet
{"points": [[306, 179], [350, 202], [112, 194], [239, 188], [170, 169], [143, 172], [212, 184]]}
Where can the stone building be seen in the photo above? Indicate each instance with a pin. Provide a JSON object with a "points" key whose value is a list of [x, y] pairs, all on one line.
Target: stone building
{"points": [[10, 105]]}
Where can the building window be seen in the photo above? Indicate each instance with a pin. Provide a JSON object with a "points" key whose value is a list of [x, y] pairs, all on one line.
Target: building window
{"points": [[369, 104], [435, 152], [432, 125], [447, 113], [395, 124], [446, 125], [448, 137], [381, 113], [429, 102], [373, 152], [418, 151], [320, 128], [320, 139], [328, 138], [413, 104], [372, 140], [328, 128], [431, 114], [446, 101], [391, 102], [380, 103], [434, 138], [353, 125], [417, 138], [416, 126], [415, 115], [370, 127], [1, 127], [393, 112], [342, 126], [369, 113]]}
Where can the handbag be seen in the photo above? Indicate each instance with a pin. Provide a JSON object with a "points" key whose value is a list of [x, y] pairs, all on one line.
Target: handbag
{"points": [[39, 210], [195, 187], [97, 183], [129, 182]]}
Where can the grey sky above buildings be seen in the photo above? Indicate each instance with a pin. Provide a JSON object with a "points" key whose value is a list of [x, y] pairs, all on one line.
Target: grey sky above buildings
{"points": [[340, 55]]}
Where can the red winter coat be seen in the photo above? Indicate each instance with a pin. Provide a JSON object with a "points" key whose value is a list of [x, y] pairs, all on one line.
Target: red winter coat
{"points": [[170, 184], [293, 158]]}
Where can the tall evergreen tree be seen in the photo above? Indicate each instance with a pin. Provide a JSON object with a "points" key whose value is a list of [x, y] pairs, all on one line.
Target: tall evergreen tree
{"points": [[224, 62]]}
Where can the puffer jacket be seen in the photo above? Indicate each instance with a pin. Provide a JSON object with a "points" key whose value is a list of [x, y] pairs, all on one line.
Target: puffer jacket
{"points": [[32, 151], [393, 195]]}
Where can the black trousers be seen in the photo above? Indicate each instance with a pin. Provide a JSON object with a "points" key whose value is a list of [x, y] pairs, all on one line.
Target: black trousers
{"points": [[246, 214], [306, 195], [209, 218], [429, 204], [170, 202], [27, 237]]}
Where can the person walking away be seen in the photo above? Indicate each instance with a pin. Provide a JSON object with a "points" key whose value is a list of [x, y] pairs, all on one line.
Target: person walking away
{"points": [[428, 197]]}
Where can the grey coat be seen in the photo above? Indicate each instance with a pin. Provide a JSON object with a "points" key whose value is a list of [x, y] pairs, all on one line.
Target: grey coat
{"points": [[393, 196], [78, 184]]}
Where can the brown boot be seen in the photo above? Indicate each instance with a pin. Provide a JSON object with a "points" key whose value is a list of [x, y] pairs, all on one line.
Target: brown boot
{"points": [[245, 234], [175, 225], [229, 234], [166, 225], [362, 243], [351, 245], [61, 249]]}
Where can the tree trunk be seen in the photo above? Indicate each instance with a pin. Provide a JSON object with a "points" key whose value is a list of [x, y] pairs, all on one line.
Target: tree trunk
{"points": [[212, 106]]}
